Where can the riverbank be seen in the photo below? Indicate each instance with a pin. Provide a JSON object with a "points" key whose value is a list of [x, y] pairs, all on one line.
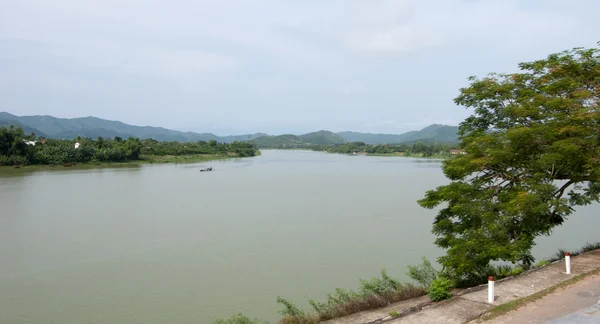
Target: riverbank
{"points": [[418, 155], [471, 305], [144, 159]]}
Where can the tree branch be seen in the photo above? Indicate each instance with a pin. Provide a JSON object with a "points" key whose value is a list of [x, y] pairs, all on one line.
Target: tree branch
{"points": [[562, 189]]}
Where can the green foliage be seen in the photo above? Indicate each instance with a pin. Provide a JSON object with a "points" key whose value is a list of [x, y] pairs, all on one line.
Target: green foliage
{"points": [[482, 274], [589, 247], [423, 273], [372, 293], [379, 286], [394, 314], [542, 263], [532, 144], [239, 319], [440, 289], [289, 308], [15, 151]]}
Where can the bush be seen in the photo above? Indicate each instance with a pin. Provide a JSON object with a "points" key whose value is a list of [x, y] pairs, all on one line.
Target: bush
{"points": [[423, 273], [289, 308], [440, 289], [373, 293], [379, 286], [239, 319], [542, 263], [394, 314], [13, 160], [590, 247]]}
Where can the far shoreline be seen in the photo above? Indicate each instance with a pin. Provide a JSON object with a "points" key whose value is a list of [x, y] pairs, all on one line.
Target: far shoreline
{"points": [[144, 160]]}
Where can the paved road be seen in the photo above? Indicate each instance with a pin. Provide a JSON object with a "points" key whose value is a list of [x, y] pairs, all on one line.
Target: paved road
{"points": [[578, 303]]}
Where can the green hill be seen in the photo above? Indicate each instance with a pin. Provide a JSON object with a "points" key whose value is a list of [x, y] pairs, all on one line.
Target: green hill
{"points": [[68, 128], [281, 141], [93, 127], [26, 129], [322, 137], [431, 134]]}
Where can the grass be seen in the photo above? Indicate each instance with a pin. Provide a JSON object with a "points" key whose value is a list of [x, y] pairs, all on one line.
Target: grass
{"points": [[373, 293], [382, 291], [515, 304], [560, 254]]}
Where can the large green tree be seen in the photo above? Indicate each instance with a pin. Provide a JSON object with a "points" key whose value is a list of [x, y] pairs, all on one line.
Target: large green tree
{"points": [[533, 154]]}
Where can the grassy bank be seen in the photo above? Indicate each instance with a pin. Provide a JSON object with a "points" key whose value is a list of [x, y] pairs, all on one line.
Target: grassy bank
{"points": [[195, 158], [144, 159], [382, 291]]}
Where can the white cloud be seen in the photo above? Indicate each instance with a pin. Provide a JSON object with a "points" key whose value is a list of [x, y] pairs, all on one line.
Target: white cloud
{"points": [[345, 61], [401, 39]]}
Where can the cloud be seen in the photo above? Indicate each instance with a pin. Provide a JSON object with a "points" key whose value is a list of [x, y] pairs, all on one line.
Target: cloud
{"points": [[398, 40], [353, 90], [334, 62]]}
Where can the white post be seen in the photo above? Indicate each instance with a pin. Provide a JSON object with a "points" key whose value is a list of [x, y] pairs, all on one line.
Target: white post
{"points": [[568, 262], [491, 290]]}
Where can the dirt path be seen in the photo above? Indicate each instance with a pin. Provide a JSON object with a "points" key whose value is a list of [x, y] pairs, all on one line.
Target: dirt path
{"points": [[566, 305]]}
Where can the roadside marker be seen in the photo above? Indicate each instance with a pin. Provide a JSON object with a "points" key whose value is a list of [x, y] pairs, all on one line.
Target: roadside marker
{"points": [[491, 289]]}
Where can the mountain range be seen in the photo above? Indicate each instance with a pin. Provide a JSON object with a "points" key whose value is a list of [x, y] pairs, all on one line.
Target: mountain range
{"points": [[69, 128]]}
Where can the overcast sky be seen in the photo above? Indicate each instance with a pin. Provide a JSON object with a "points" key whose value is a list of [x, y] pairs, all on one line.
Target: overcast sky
{"points": [[276, 66]]}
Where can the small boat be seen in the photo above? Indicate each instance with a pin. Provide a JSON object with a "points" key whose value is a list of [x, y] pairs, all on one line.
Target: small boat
{"points": [[206, 169]]}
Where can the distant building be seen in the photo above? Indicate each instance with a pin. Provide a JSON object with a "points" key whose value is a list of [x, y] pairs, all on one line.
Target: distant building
{"points": [[29, 142], [77, 145], [456, 152]]}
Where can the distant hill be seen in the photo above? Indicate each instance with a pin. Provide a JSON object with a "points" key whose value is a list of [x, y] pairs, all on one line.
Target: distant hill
{"points": [[430, 134], [68, 128], [26, 129], [280, 141], [322, 137]]}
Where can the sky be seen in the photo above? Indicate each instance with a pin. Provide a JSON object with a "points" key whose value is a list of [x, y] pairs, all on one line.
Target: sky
{"points": [[274, 66]]}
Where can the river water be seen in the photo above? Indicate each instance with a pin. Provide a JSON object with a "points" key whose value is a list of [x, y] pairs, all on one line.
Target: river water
{"points": [[170, 244]]}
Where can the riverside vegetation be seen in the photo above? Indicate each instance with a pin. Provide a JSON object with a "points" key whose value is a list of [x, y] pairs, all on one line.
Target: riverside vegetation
{"points": [[418, 149], [532, 157], [18, 148], [382, 291]]}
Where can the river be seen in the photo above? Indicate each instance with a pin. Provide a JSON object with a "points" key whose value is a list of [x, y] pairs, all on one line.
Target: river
{"points": [[169, 244]]}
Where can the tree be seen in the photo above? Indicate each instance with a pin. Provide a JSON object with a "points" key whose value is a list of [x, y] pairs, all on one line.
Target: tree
{"points": [[533, 155]]}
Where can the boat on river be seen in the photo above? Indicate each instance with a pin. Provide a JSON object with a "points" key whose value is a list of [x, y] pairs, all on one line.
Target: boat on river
{"points": [[206, 169]]}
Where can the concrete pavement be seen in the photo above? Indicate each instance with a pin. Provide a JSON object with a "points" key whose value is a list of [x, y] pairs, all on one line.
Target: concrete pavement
{"points": [[470, 304], [577, 303]]}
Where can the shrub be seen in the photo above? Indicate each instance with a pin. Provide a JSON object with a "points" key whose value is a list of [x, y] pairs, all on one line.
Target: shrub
{"points": [[289, 308], [239, 319], [379, 286], [423, 273], [13, 160], [542, 263], [373, 293], [590, 247], [394, 314], [440, 289]]}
